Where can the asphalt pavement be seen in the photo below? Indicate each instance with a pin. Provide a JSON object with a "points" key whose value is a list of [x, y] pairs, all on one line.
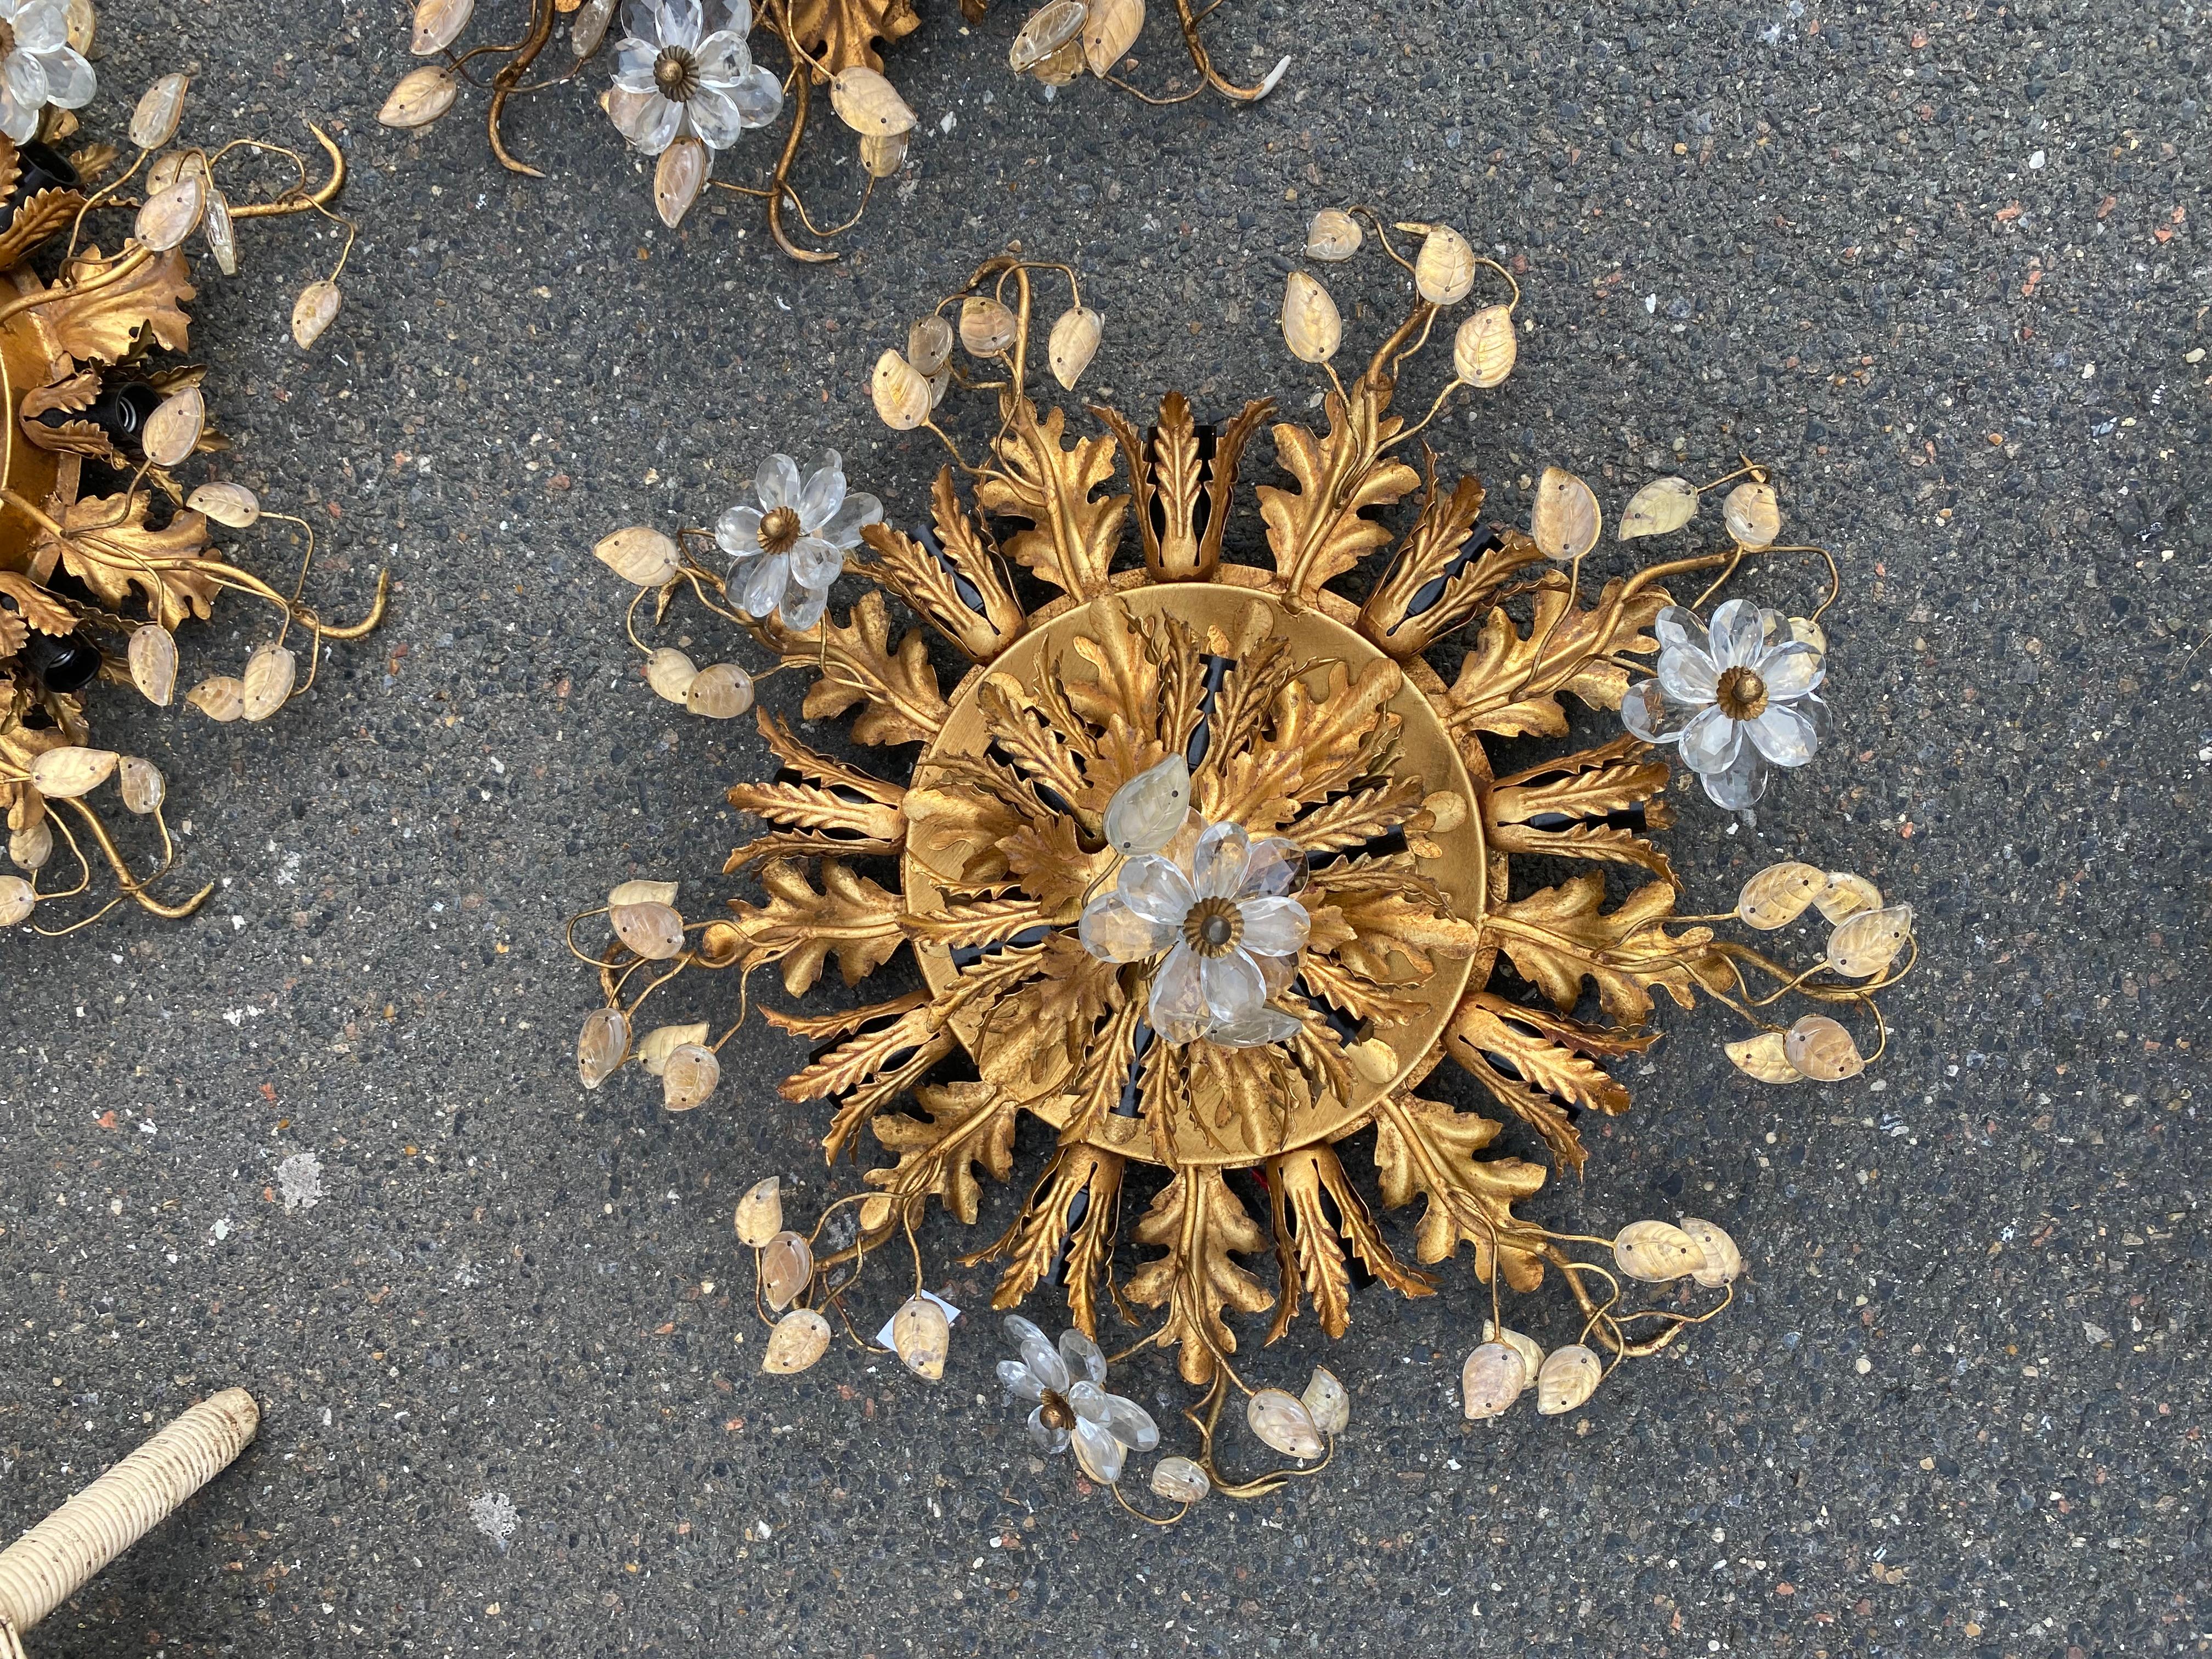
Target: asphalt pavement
{"points": [[1942, 266]]}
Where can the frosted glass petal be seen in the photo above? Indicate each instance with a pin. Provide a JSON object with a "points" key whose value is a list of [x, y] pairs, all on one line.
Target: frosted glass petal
{"points": [[1792, 671], [723, 57], [70, 80], [1046, 1438], [1710, 741], [26, 79], [1044, 1363], [1677, 627], [1784, 736], [1741, 785], [776, 482], [640, 20], [823, 494], [843, 527], [765, 579], [1233, 985], [815, 563], [1084, 1357], [1145, 812], [1688, 676], [1274, 926], [681, 21], [633, 61], [1257, 1029], [758, 95], [714, 118], [19, 121], [1217, 868], [1088, 1400], [1737, 636], [1272, 868], [1099, 1451], [40, 26], [1018, 1381], [1156, 890], [1815, 709], [646, 120], [802, 607], [1132, 1424], [1648, 712], [1178, 1007], [737, 532], [1112, 932]]}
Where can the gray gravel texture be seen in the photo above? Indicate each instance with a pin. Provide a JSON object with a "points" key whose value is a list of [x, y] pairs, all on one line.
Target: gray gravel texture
{"points": [[1943, 266]]}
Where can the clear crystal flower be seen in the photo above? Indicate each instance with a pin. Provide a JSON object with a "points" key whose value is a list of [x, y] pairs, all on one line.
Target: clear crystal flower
{"points": [[1737, 697], [674, 76], [1218, 903], [37, 66], [786, 551], [1065, 1383]]}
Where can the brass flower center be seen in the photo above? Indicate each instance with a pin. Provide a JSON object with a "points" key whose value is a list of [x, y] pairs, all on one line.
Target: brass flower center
{"points": [[676, 75], [1212, 926], [1055, 1413], [779, 531], [1741, 693]]}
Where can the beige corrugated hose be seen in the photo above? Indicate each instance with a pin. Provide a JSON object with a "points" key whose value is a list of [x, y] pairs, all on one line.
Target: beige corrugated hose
{"points": [[59, 1556]]}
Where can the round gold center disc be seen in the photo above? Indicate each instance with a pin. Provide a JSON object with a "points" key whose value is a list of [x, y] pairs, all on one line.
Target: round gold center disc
{"points": [[1033, 1065]]}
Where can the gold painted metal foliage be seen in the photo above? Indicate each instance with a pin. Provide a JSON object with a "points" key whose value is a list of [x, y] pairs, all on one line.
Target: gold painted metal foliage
{"points": [[1143, 713], [686, 87], [106, 551]]}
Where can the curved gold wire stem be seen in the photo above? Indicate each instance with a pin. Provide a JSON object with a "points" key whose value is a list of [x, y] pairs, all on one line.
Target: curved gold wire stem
{"points": [[1204, 63], [1144, 97], [779, 182], [1162, 1521], [813, 229], [1382, 233], [509, 76], [83, 867], [76, 226], [356, 630], [316, 199], [134, 887], [1260, 1485]]}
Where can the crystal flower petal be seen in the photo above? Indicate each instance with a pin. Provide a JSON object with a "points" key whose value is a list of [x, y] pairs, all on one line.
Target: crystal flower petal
{"points": [[823, 494], [737, 532], [1156, 890], [1741, 784], [1710, 741], [713, 116], [1782, 735], [1790, 671], [1274, 926], [1217, 868], [1232, 986], [1112, 932], [1177, 1008], [1688, 675], [842, 528], [1738, 637], [777, 482]]}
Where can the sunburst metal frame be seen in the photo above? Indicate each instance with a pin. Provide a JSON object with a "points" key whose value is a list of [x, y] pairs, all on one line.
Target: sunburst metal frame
{"points": [[1106, 628]]}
